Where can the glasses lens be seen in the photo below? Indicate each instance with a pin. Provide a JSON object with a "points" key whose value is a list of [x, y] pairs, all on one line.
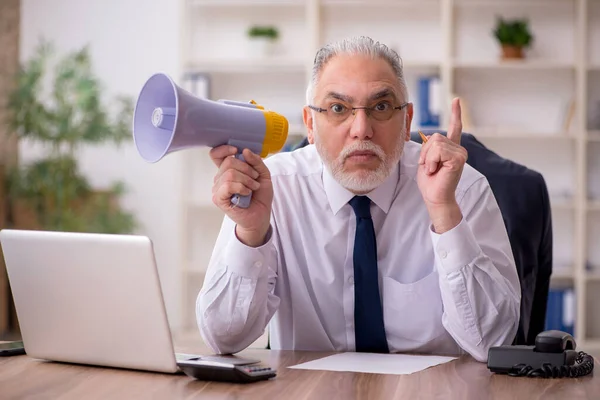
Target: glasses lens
{"points": [[338, 113], [382, 114]]}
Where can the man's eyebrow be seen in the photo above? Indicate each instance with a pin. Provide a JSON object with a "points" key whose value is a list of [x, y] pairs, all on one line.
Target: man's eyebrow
{"points": [[387, 92], [339, 96]]}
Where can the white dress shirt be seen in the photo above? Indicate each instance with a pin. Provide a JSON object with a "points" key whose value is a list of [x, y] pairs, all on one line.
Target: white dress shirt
{"points": [[441, 294]]}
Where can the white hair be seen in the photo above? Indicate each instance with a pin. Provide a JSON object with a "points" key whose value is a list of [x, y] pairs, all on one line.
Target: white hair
{"points": [[356, 45]]}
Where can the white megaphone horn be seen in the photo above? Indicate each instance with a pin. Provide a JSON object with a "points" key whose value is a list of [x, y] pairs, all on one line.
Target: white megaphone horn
{"points": [[167, 118]]}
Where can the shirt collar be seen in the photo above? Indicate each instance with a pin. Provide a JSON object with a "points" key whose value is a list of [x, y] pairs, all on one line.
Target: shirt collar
{"points": [[382, 195]]}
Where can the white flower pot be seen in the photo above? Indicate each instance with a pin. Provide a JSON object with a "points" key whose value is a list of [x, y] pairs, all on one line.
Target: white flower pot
{"points": [[260, 47]]}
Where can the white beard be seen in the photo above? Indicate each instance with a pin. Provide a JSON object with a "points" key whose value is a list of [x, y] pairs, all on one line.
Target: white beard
{"points": [[360, 181]]}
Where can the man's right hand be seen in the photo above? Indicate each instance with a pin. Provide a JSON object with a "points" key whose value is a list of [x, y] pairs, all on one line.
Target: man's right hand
{"points": [[237, 177]]}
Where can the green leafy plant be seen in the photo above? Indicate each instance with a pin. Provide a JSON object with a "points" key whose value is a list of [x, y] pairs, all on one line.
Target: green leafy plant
{"points": [[269, 32], [513, 32], [51, 190]]}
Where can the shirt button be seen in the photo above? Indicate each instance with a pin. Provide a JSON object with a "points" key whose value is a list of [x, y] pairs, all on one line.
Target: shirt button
{"points": [[351, 280], [443, 254], [258, 264]]}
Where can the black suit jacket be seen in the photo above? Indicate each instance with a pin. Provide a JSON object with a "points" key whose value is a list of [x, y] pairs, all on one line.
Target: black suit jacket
{"points": [[524, 202]]}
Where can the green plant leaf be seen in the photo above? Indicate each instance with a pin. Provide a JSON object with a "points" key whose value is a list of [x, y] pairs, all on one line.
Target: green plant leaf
{"points": [[69, 114], [513, 32], [270, 32]]}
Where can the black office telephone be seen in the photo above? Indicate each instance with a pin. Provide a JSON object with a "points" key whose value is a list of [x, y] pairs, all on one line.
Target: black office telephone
{"points": [[553, 356]]}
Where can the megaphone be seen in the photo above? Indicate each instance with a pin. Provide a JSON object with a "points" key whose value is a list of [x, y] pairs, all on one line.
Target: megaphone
{"points": [[168, 118]]}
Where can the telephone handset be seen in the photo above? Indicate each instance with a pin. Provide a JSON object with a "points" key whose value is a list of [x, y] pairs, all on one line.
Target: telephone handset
{"points": [[553, 356]]}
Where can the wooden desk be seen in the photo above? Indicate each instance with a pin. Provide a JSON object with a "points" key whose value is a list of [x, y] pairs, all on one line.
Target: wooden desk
{"points": [[23, 378]]}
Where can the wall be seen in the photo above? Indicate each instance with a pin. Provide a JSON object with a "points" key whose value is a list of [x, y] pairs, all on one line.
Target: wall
{"points": [[129, 40]]}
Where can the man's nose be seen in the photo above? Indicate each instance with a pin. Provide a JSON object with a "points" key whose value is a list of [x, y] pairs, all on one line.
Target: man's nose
{"points": [[360, 125]]}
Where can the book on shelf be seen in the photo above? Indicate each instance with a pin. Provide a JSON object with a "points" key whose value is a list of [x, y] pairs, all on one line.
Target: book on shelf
{"points": [[560, 310], [429, 101]]}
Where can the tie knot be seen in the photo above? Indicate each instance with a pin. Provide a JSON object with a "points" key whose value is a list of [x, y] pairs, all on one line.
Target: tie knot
{"points": [[361, 206]]}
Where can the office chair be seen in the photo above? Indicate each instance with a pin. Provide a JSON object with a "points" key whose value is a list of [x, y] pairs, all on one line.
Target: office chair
{"points": [[523, 199]]}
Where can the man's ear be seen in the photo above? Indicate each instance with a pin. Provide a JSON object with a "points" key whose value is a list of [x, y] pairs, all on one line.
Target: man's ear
{"points": [[307, 117], [408, 122]]}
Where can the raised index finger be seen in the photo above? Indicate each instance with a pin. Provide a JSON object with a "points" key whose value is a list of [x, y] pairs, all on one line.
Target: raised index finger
{"points": [[455, 128]]}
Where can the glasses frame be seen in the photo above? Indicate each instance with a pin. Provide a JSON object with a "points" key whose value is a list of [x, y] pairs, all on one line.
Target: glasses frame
{"points": [[353, 110]]}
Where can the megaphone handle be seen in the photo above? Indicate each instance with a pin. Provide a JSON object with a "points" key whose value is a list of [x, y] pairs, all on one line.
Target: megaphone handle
{"points": [[238, 200]]}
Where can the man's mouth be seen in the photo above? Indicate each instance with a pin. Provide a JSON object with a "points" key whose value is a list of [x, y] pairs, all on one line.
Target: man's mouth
{"points": [[361, 155]]}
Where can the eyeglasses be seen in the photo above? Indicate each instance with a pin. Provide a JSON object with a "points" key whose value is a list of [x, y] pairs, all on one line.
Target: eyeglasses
{"points": [[338, 113]]}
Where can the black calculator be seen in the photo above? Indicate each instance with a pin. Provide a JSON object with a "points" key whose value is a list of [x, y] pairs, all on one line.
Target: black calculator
{"points": [[209, 370]]}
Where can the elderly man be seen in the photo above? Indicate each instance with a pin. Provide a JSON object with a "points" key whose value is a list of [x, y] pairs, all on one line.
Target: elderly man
{"points": [[363, 240]]}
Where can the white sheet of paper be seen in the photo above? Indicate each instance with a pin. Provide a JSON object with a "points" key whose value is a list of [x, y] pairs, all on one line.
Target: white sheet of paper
{"points": [[398, 364]]}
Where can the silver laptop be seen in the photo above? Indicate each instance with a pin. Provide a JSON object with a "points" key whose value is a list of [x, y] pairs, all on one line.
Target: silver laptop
{"points": [[89, 299]]}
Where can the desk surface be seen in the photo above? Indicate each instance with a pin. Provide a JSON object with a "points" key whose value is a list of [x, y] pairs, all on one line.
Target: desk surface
{"points": [[22, 377]]}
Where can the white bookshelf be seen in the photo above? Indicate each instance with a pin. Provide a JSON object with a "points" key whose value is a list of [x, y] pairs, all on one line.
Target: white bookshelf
{"points": [[517, 108]]}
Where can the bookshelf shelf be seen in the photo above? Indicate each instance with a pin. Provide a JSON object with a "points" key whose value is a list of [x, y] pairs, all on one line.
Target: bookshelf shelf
{"points": [[511, 3], [515, 65], [562, 204], [593, 136], [593, 276], [382, 3], [424, 64], [296, 130], [243, 65], [246, 3], [593, 205], [513, 133], [589, 344], [562, 274]]}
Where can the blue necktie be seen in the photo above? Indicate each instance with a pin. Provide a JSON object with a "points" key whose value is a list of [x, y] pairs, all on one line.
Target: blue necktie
{"points": [[368, 313]]}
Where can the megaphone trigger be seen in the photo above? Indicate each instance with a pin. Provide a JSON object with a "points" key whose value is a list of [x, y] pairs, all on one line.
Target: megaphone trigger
{"points": [[239, 200]]}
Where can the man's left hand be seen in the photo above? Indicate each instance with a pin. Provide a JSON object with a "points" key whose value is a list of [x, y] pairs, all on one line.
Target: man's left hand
{"points": [[440, 168]]}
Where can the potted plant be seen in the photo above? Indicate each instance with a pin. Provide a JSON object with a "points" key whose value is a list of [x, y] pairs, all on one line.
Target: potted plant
{"points": [[262, 39], [59, 113], [514, 36]]}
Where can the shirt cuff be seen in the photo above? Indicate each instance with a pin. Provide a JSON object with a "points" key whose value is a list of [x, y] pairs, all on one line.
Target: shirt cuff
{"points": [[455, 248], [247, 261]]}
